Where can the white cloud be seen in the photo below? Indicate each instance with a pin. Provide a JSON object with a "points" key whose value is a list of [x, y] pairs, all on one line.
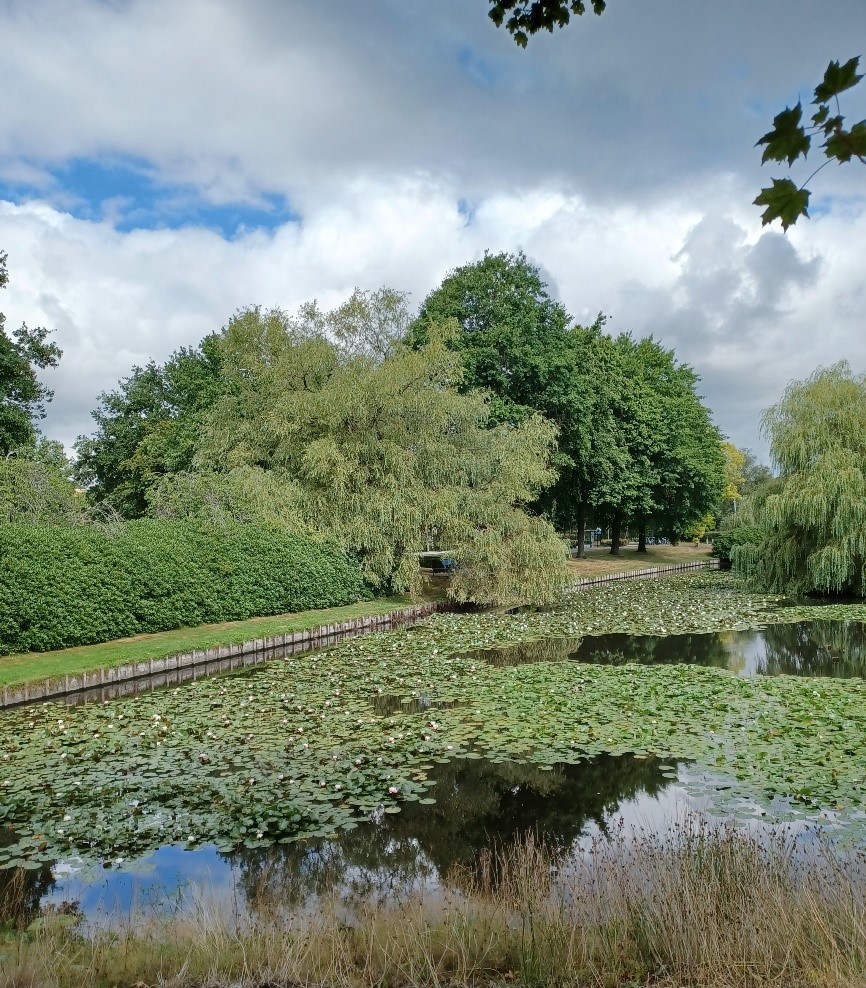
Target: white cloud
{"points": [[617, 154]]}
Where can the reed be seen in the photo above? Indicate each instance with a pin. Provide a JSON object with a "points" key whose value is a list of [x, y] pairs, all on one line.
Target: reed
{"points": [[697, 905]]}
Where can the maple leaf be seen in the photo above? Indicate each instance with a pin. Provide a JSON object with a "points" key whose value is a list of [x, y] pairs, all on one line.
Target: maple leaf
{"points": [[787, 140], [837, 79], [845, 144], [783, 201], [819, 117]]}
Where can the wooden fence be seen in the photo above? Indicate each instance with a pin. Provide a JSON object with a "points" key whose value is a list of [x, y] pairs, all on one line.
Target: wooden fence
{"points": [[644, 574]]}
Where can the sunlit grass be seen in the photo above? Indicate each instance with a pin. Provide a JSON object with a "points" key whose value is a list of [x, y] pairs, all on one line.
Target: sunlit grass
{"points": [[36, 666], [599, 561]]}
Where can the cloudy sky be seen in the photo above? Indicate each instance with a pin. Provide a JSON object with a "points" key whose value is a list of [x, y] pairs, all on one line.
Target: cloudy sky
{"points": [[164, 162]]}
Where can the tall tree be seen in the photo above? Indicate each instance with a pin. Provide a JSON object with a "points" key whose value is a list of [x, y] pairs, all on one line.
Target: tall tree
{"points": [[816, 524], [22, 395], [147, 428], [385, 456], [674, 471], [513, 340]]}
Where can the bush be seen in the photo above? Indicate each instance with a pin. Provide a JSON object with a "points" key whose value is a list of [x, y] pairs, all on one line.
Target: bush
{"points": [[64, 586], [724, 542]]}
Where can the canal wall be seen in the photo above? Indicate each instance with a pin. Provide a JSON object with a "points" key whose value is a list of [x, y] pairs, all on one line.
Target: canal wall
{"points": [[134, 677]]}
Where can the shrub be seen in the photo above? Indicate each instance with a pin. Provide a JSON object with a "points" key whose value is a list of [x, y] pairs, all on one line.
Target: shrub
{"points": [[64, 586], [724, 542]]}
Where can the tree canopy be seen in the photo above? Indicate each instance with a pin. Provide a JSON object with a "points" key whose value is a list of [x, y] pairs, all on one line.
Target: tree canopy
{"points": [[326, 422], [635, 444], [815, 524], [22, 395], [148, 427]]}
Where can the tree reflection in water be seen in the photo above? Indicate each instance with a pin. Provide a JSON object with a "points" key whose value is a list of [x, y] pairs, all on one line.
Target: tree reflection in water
{"points": [[479, 805], [696, 649], [21, 889], [815, 648]]}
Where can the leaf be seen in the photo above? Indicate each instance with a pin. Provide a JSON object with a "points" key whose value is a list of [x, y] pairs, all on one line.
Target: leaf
{"points": [[783, 201], [837, 79], [819, 117], [787, 140], [845, 144]]}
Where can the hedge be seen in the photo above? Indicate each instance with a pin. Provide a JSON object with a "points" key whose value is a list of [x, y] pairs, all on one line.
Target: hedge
{"points": [[64, 586]]}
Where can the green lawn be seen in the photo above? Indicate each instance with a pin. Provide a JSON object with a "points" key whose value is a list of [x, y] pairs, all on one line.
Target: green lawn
{"points": [[36, 666]]}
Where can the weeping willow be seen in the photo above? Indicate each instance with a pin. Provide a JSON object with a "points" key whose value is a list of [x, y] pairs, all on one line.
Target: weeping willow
{"points": [[816, 523], [374, 447]]}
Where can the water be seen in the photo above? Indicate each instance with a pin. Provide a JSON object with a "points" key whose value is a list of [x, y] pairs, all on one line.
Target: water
{"points": [[807, 648], [479, 803]]}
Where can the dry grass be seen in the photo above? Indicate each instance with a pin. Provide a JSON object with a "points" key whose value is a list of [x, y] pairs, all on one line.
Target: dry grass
{"points": [[700, 906], [599, 561]]}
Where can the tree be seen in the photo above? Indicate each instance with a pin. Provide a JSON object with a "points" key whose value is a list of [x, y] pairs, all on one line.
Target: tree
{"points": [[148, 428], [36, 487], [22, 395], [789, 139], [518, 344], [676, 451], [815, 523], [385, 456], [525, 17], [513, 340]]}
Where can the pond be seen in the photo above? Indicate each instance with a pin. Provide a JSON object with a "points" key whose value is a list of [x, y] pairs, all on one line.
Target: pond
{"points": [[390, 759]]}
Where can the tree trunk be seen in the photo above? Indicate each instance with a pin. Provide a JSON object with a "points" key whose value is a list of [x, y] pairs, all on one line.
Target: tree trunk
{"points": [[581, 525], [615, 528], [641, 534]]}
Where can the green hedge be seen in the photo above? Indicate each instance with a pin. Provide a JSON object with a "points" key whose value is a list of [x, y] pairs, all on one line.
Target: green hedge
{"points": [[64, 586], [724, 542]]}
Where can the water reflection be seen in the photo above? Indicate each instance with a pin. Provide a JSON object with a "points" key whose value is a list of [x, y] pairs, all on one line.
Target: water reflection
{"points": [[817, 648], [479, 804], [22, 890], [806, 648]]}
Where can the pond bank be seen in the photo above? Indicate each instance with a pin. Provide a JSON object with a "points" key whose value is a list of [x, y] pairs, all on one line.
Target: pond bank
{"points": [[120, 680], [704, 906]]}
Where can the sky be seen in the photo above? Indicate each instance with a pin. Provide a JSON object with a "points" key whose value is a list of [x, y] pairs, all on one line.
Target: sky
{"points": [[163, 164]]}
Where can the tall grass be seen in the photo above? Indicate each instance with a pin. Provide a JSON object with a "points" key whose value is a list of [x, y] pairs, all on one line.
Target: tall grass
{"points": [[697, 906]]}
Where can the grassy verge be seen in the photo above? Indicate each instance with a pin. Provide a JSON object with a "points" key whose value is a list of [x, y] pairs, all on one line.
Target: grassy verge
{"points": [[600, 562], [699, 906], [36, 666]]}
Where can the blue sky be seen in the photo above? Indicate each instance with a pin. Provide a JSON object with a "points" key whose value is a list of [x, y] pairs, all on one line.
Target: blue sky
{"points": [[162, 164], [129, 193]]}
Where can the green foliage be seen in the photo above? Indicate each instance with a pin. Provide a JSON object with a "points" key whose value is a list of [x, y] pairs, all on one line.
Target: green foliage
{"points": [[525, 17], [63, 586], [35, 487], [22, 394], [791, 139], [724, 542], [634, 440], [382, 454], [816, 522], [514, 339], [148, 428]]}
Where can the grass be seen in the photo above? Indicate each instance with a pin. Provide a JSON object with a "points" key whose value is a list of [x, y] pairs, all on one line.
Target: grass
{"points": [[697, 906], [600, 562], [37, 666]]}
